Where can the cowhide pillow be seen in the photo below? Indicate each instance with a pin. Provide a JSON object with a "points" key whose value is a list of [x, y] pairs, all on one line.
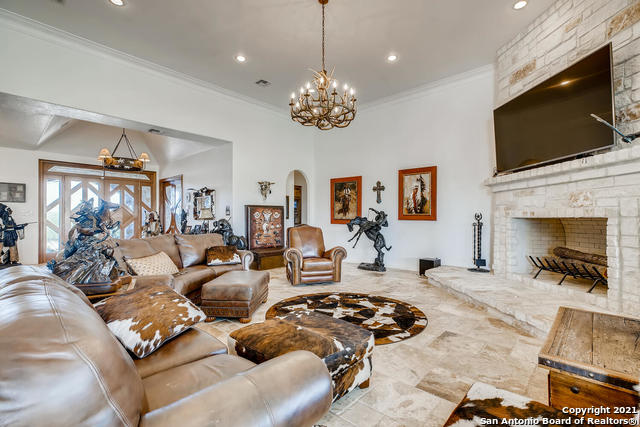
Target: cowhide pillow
{"points": [[159, 263], [145, 318], [223, 255]]}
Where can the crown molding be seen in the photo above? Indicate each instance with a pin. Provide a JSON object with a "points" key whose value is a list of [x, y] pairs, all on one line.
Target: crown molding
{"points": [[52, 34], [420, 91]]}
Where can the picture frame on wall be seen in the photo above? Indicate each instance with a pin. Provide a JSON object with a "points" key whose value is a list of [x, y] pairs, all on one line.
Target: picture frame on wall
{"points": [[417, 194], [13, 192], [346, 199], [265, 226]]}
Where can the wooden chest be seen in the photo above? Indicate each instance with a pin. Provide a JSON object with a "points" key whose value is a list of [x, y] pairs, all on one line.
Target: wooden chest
{"points": [[268, 258], [594, 361]]}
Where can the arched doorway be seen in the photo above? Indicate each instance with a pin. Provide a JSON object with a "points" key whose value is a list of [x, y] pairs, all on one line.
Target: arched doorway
{"points": [[298, 199]]}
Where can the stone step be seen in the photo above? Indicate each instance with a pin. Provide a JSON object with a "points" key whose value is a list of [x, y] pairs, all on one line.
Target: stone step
{"points": [[529, 306]]}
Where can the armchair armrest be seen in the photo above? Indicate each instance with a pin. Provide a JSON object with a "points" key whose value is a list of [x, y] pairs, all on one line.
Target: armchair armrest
{"points": [[291, 390], [293, 258], [334, 253], [247, 259]]}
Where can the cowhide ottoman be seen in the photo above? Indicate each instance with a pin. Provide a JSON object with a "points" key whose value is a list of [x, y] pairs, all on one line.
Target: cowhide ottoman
{"points": [[235, 294], [345, 348]]}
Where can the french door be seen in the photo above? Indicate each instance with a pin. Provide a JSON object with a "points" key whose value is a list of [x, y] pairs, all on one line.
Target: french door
{"points": [[65, 186], [170, 200]]}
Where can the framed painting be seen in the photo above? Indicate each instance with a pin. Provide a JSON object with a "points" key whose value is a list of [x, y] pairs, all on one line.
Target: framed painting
{"points": [[417, 194], [346, 199], [265, 226], [12, 192]]}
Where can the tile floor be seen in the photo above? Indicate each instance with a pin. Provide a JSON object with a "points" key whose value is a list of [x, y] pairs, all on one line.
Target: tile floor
{"points": [[419, 381]]}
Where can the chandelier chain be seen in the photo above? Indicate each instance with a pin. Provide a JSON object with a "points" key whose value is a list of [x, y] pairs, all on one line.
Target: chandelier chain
{"points": [[323, 38]]}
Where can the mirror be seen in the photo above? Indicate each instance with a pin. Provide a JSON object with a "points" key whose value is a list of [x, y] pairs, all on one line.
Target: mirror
{"points": [[204, 204]]}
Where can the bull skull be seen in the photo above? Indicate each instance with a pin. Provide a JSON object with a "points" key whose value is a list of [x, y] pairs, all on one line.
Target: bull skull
{"points": [[265, 188]]}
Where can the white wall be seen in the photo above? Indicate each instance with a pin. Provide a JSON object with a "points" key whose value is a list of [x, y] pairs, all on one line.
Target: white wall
{"points": [[44, 64], [449, 126], [213, 169]]}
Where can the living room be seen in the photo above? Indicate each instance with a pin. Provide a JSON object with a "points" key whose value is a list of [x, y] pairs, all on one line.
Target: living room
{"points": [[417, 175]]}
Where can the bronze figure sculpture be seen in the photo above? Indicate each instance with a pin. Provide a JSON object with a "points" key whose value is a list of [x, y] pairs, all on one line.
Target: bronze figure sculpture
{"points": [[88, 254], [371, 229], [223, 227], [10, 233]]}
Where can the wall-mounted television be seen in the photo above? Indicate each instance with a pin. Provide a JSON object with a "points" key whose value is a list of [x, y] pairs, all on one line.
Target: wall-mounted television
{"points": [[552, 121]]}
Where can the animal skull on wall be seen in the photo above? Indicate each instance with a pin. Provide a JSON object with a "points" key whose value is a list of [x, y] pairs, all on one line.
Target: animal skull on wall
{"points": [[265, 188]]}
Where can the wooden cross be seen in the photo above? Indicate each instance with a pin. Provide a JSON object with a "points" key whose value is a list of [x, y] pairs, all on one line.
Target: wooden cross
{"points": [[379, 188]]}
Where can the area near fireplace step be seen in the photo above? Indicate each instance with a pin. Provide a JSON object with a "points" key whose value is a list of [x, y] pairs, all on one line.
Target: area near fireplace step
{"points": [[531, 307]]}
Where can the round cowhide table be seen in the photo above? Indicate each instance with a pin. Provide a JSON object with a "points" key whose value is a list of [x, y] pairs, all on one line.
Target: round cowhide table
{"points": [[389, 320]]}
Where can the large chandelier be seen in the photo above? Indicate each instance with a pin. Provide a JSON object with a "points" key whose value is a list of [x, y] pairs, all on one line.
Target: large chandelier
{"points": [[132, 163], [320, 103]]}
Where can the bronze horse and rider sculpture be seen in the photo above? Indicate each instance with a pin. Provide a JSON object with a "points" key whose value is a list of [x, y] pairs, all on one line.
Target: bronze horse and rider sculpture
{"points": [[371, 229]]}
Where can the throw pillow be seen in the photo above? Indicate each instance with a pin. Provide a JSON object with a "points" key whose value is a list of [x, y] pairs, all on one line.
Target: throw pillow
{"points": [[145, 318], [223, 255], [152, 265]]}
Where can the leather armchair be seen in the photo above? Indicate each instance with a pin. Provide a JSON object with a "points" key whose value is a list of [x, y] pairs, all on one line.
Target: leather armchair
{"points": [[308, 261]]}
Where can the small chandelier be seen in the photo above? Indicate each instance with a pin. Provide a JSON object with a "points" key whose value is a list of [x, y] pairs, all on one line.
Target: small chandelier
{"points": [[319, 103], [132, 163]]}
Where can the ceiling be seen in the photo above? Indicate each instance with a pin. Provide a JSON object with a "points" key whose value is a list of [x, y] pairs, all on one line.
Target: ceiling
{"points": [[281, 38], [34, 125]]}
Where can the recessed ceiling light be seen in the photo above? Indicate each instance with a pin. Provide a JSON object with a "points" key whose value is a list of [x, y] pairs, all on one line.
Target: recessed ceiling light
{"points": [[520, 4], [566, 82], [241, 58], [392, 58], [117, 2]]}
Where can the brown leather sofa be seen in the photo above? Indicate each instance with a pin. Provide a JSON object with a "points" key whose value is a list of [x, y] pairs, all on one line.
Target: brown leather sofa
{"points": [[306, 258], [188, 252], [61, 366]]}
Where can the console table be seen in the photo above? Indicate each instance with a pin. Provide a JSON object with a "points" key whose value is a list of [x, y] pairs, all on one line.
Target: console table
{"points": [[593, 360], [267, 258]]}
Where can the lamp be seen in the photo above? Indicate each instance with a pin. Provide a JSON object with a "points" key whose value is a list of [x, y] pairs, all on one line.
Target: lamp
{"points": [[132, 163]]}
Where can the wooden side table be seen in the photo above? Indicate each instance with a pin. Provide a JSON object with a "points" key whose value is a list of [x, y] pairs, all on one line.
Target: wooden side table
{"points": [[268, 258], [593, 360]]}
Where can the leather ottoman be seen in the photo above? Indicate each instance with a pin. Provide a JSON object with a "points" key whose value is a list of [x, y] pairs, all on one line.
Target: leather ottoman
{"points": [[345, 348], [235, 294]]}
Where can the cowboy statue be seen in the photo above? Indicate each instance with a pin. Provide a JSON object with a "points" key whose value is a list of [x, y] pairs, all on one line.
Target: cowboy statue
{"points": [[10, 233], [371, 229]]}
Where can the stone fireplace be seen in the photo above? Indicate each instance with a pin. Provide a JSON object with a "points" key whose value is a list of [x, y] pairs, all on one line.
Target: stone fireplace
{"points": [[590, 204]]}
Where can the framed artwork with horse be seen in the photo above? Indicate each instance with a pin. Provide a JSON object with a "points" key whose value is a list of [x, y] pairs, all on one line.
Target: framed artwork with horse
{"points": [[417, 194], [346, 199]]}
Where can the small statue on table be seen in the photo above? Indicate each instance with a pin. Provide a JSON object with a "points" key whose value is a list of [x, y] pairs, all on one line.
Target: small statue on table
{"points": [[371, 229], [223, 227], [10, 233], [152, 226], [88, 255]]}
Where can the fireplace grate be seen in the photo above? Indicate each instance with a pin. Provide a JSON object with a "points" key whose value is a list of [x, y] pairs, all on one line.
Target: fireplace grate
{"points": [[575, 269]]}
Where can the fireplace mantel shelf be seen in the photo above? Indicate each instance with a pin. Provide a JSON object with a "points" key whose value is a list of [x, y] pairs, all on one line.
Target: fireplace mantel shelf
{"points": [[618, 161]]}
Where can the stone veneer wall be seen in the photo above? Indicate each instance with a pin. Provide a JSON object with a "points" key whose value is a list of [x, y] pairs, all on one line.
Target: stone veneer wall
{"points": [[567, 31], [586, 234]]}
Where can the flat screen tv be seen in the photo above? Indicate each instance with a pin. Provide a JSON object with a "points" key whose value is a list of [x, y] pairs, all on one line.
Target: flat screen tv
{"points": [[552, 121]]}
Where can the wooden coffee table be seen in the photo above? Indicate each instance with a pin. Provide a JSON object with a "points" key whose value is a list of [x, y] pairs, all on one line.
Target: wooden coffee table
{"points": [[593, 360]]}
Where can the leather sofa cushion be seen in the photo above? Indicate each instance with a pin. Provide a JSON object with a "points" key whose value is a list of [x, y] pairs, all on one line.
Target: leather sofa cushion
{"points": [[222, 269], [236, 286], [192, 345], [174, 384], [193, 247], [192, 278], [308, 239], [166, 243], [59, 362], [317, 264]]}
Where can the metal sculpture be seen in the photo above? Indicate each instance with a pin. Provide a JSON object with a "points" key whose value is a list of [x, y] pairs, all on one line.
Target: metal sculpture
{"points": [[223, 227], [371, 229], [183, 221], [10, 233], [152, 226], [265, 188], [88, 254], [478, 261]]}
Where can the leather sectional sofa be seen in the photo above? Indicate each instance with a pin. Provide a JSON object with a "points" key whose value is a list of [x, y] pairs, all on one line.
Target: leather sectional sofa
{"points": [[188, 252], [60, 366]]}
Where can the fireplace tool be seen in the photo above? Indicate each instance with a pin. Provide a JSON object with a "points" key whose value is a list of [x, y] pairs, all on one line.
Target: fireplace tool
{"points": [[477, 246]]}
